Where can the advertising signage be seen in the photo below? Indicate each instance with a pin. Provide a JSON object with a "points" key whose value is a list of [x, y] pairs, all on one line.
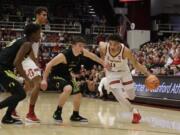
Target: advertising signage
{"points": [[169, 88]]}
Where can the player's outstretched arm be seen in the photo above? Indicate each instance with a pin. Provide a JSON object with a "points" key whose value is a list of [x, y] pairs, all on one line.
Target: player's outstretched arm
{"points": [[128, 54], [93, 57], [102, 49], [56, 60], [60, 58]]}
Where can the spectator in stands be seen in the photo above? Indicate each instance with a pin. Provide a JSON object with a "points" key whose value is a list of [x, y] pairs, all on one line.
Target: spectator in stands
{"points": [[27, 20], [176, 58], [177, 71], [47, 26], [100, 37]]}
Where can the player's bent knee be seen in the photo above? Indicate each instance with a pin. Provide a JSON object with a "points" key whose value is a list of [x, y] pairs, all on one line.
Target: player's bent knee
{"points": [[37, 80], [36, 83], [131, 94], [68, 89], [77, 94], [131, 97]]}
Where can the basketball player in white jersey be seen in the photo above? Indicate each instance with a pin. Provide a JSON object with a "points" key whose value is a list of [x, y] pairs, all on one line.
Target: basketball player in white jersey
{"points": [[30, 65], [119, 78]]}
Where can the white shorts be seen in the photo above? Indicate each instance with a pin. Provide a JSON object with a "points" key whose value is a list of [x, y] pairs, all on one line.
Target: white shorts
{"points": [[31, 69], [120, 79]]}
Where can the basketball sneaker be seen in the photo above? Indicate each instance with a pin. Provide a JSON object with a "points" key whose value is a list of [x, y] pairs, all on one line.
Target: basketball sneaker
{"points": [[136, 118], [57, 117], [10, 120], [78, 118], [31, 117], [15, 115]]}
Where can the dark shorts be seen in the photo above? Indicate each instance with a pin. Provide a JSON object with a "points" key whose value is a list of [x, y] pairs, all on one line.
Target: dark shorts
{"points": [[8, 81], [58, 83]]}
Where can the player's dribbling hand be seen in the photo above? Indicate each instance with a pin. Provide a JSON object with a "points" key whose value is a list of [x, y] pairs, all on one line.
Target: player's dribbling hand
{"points": [[44, 85]]}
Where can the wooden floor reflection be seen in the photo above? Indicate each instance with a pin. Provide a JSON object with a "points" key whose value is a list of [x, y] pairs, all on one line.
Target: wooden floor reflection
{"points": [[105, 117]]}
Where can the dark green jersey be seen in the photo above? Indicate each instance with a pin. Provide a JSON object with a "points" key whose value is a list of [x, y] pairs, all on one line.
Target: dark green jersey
{"points": [[8, 55], [73, 65]]}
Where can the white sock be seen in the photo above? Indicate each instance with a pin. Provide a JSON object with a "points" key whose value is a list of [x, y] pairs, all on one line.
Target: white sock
{"points": [[135, 110]]}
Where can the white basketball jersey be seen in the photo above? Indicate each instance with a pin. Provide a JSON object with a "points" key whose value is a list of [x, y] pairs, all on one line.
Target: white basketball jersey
{"points": [[117, 63], [35, 47]]}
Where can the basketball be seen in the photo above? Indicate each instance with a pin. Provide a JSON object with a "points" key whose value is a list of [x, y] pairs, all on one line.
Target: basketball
{"points": [[152, 82]]}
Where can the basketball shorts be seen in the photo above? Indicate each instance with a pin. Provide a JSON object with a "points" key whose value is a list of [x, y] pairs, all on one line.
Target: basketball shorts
{"points": [[58, 83], [9, 82], [120, 79], [31, 69]]}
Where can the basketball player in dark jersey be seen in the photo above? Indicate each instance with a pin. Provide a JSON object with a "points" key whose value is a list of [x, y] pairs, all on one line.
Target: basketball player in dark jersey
{"points": [[30, 65], [11, 57], [62, 66]]}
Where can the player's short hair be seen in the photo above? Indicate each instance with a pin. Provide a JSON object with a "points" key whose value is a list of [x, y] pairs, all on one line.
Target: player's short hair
{"points": [[31, 28], [78, 39], [38, 10], [116, 38]]}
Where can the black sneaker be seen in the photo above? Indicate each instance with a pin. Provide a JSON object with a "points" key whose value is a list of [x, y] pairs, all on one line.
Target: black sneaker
{"points": [[57, 117], [11, 120], [78, 118]]}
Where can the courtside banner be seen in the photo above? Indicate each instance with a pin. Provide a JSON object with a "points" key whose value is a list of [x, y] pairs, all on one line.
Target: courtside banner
{"points": [[169, 88]]}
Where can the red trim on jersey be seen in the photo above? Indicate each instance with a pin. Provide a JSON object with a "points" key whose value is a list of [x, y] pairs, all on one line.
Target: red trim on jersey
{"points": [[37, 69], [114, 82], [127, 83], [116, 54]]}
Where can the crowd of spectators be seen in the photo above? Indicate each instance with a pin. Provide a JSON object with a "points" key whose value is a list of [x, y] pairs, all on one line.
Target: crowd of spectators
{"points": [[161, 58], [12, 11]]}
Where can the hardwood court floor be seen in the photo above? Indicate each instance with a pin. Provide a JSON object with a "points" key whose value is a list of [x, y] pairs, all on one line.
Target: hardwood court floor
{"points": [[105, 118]]}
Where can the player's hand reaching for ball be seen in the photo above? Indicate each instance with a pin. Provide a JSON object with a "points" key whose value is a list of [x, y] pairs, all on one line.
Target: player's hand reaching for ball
{"points": [[44, 85]]}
